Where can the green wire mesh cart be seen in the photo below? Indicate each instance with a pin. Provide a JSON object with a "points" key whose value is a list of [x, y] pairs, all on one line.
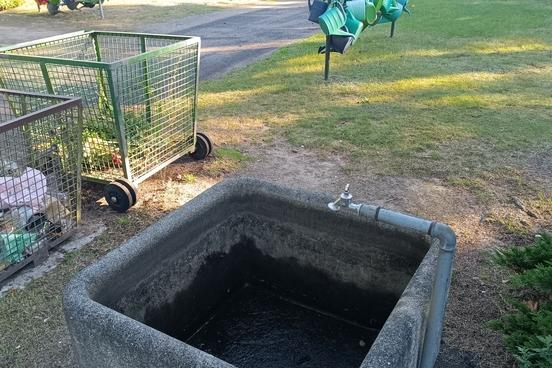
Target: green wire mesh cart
{"points": [[139, 93], [40, 163]]}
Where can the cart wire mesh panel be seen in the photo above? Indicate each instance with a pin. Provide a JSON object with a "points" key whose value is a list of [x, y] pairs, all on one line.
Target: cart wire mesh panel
{"points": [[139, 93], [40, 162]]}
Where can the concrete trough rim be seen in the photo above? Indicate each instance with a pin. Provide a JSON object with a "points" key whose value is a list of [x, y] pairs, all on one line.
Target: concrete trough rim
{"points": [[79, 295]]}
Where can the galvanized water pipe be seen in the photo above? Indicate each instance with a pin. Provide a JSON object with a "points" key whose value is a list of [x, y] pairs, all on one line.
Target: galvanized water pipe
{"points": [[441, 282]]}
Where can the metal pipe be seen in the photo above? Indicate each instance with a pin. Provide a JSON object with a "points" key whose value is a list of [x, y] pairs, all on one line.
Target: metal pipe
{"points": [[441, 285], [399, 219], [441, 282]]}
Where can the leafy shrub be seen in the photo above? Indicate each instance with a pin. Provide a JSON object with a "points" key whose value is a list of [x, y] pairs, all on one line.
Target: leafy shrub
{"points": [[522, 328], [542, 355], [520, 259], [539, 278], [528, 330], [9, 4]]}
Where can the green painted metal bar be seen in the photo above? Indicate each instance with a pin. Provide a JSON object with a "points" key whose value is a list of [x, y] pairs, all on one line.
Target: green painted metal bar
{"points": [[194, 114], [46, 77], [120, 122], [102, 88], [155, 53], [54, 60], [156, 169], [38, 94], [79, 160], [145, 72], [149, 35]]}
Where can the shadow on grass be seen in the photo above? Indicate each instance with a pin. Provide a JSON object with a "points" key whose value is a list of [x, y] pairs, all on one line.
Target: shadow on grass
{"points": [[423, 98]]}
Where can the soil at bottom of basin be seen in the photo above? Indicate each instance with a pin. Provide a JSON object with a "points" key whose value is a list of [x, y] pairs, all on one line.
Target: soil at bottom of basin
{"points": [[256, 328]]}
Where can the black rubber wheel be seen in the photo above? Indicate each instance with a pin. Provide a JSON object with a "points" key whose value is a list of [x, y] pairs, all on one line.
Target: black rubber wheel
{"points": [[118, 197], [53, 9], [208, 141], [133, 190], [201, 148]]}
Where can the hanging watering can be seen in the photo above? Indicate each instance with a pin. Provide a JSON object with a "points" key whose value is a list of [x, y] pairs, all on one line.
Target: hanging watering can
{"points": [[333, 19], [391, 10], [390, 6], [387, 17], [353, 25], [338, 44], [341, 43], [316, 9], [363, 10]]}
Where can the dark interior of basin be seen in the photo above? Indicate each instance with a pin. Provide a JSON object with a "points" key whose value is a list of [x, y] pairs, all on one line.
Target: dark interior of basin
{"points": [[254, 311], [284, 288]]}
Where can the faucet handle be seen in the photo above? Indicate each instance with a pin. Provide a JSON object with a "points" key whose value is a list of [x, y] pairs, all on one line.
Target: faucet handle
{"points": [[346, 197]]}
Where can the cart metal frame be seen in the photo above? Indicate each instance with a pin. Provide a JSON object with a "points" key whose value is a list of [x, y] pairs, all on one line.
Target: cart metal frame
{"points": [[58, 106], [109, 73]]}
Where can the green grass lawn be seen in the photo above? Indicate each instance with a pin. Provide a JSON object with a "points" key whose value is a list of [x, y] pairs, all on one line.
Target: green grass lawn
{"points": [[462, 85]]}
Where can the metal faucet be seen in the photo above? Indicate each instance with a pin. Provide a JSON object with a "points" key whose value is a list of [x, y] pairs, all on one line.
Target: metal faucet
{"points": [[345, 199]]}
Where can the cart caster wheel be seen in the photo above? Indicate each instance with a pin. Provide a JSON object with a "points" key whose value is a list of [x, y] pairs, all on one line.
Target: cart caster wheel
{"points": [[131, 188], [202, 148], [53, 9], [204, 136], [118, 196]]}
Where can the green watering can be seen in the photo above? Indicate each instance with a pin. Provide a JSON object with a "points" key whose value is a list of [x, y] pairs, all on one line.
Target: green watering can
{"points": [[333, 20], [336, 21], [353, 25], [390, 6], [392, 10], [363, 10]]}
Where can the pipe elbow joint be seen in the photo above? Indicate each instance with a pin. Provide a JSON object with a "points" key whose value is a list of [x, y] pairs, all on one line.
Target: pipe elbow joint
{"points": [[446, 236]]}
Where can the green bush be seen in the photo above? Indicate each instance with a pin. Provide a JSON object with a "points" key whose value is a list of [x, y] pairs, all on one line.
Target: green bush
{"points": [[9, 4], [542, 355], [520, 259], [528, 330]]}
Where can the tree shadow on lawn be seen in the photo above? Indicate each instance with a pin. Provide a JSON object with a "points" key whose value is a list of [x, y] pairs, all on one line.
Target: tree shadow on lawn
{"points": [[395, 111]]}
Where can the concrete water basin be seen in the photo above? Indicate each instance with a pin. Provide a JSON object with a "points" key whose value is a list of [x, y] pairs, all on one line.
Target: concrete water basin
{"points": [[253, 275]]}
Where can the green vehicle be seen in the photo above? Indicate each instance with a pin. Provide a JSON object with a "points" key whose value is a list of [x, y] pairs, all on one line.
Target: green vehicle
{"points": [[54, 5]]}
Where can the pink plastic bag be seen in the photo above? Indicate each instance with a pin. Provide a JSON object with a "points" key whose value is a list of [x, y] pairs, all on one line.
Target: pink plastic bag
{"points": [[27, 190]]}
